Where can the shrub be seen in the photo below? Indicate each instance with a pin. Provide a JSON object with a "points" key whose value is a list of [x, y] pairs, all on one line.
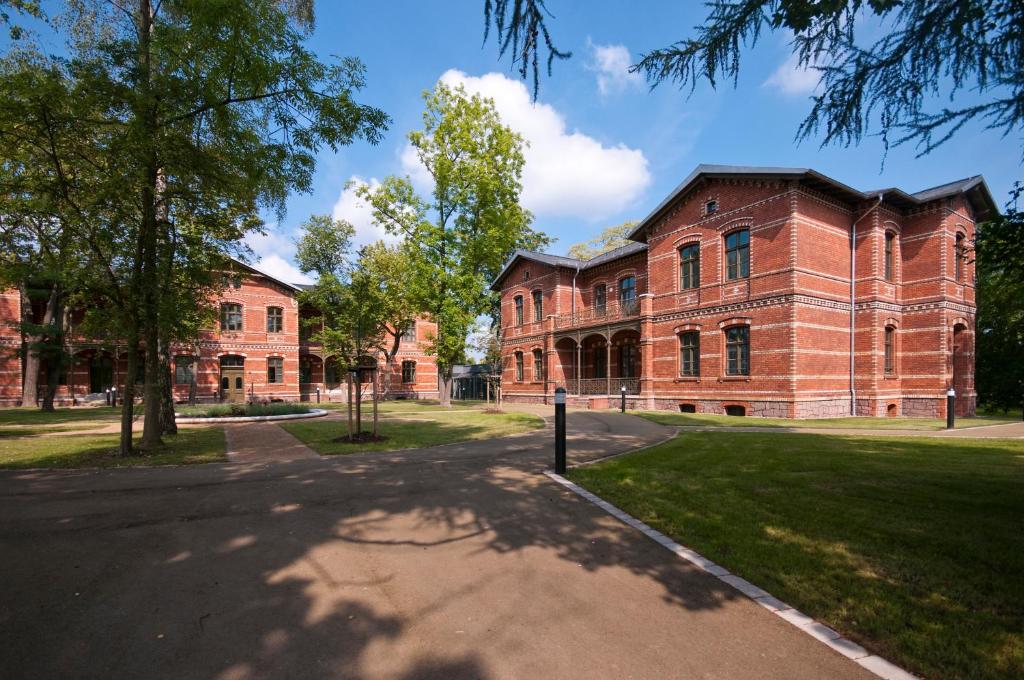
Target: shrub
{"points": [[242, 410]]}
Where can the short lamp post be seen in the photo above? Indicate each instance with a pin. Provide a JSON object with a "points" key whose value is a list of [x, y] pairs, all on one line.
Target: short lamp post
{"points": [[318, 394], [113, 396], [108, 396], [622, 406], [560, 430], [950, 398]]}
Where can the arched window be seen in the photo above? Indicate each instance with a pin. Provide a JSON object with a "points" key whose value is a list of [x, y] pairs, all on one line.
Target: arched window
{"points": [[689, 353], [538, 365], [890, 350], [627, 291], [737, 350], [890, 256], [275, 370], [519, 310], [275, 320], [689, 266], [959, 255], [600, 299], [519, 367], [230, 316], [737, 255], [538, 305], [408, 371]]}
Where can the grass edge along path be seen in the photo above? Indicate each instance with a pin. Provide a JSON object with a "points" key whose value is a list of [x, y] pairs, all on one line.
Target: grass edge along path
{"points": [[911, 547], [190, 446], [420, 430], [854, 423]]}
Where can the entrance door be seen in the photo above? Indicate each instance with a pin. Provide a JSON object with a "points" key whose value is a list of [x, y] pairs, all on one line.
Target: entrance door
{"points": [[232, 378], [101, 374]]}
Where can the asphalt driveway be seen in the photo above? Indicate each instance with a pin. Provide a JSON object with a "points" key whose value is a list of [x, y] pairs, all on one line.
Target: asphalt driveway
{"points": [[460, 561]]}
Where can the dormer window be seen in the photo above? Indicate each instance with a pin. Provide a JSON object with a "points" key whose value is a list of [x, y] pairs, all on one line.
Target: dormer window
{"points": [[526, 275], [711, 207]]}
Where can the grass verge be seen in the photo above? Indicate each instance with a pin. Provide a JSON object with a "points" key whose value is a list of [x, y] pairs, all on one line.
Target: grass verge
{"points": [[426, 428], [189, 446], [25, 422], [242, 410], [860, 423], [912, 547]]}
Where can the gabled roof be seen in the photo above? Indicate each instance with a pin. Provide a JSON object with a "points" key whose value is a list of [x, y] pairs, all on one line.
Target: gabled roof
{"points": [[567, 262], [291, 286], [973, 187]]}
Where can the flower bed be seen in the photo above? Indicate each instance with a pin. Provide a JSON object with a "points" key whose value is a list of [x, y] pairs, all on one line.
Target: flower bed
{"points": [[243, 410]]}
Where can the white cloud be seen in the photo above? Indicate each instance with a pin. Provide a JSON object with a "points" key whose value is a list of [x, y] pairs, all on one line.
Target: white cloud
{"points": [[352, 209], [276, 252], [792, 78], [611, 63], [567, 173]]}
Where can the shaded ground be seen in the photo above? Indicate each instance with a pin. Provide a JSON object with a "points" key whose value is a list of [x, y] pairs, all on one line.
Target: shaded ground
{"points": [[460, 561], [912, 547]]}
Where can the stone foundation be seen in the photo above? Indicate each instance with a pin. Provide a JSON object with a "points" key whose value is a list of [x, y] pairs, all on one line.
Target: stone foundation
{"points": [[915, 407]]}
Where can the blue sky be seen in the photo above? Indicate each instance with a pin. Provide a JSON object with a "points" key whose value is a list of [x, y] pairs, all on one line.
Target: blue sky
{"points": [[604, 148]]}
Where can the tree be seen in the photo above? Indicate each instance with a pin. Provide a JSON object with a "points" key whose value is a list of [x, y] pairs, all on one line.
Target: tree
{"points": [[930, 48], [1000, 321], [194, 113], [389, 267], [609, 239], [459, 238]]}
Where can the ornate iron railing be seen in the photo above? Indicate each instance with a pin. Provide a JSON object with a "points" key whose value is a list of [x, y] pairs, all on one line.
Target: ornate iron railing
{"points": [[611, 311], [600, 386]]}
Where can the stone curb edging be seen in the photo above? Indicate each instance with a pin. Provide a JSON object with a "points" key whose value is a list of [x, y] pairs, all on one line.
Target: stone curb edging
{"points": [[818, 631], [315, 413]]}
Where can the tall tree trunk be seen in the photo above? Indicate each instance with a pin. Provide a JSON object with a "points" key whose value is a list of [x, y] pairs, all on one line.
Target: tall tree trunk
{"points": [[444, 386], [30, 343], [359, 402], [168, 425], [53, 321], [128, 394]]}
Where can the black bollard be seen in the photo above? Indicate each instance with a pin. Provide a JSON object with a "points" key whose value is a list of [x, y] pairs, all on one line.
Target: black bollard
{"points": [[950, 396], [560, 430], [108, 396], [318, 394], [623, 391]]}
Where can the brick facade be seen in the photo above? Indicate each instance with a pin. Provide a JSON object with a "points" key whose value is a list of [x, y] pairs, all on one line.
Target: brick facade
{"points": [[221, 354], [784, 316]]}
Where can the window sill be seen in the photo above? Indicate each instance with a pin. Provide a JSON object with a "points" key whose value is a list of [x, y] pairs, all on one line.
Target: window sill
{"points": [[687, 378], [891, 376], [734, 378]]}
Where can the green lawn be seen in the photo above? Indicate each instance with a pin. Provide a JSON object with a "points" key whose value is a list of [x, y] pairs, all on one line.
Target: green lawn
{"points": [[191, 445], [862, 423], [23, 422], [423, 425], [401, 406], [913, 547]]}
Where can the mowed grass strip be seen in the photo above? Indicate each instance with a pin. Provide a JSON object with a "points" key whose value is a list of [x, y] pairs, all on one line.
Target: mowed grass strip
{"points": [[912, 547], [23, 422], [861, 423], [189, 446], [425, 427]]}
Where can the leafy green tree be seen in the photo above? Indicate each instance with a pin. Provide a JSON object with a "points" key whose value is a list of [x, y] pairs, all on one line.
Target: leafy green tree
{"points": [[1000, 322], [389, 267], [929, 49], [611, 238], [189, 112], [460, 236]]}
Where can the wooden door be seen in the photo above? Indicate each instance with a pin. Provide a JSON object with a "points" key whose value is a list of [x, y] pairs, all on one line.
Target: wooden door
{"points": [[232, 384]]}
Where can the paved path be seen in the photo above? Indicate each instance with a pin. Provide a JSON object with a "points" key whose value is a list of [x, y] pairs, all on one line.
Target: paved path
{"points": [[263, 443], [460, 561]]}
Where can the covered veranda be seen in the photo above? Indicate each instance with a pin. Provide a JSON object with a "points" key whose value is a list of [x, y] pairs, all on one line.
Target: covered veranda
{"points": [[598, 362]]}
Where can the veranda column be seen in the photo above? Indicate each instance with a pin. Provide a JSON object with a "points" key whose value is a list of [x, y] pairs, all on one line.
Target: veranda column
{"points": [[647, 348], [608, 365]]}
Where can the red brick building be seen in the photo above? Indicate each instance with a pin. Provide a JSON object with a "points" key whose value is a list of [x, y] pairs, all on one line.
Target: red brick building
{"points": [[759, 291], [254, 351]]}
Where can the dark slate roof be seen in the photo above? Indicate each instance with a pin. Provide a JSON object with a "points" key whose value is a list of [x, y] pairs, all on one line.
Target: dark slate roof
{"points": [[974, 187], [568, 262]]}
